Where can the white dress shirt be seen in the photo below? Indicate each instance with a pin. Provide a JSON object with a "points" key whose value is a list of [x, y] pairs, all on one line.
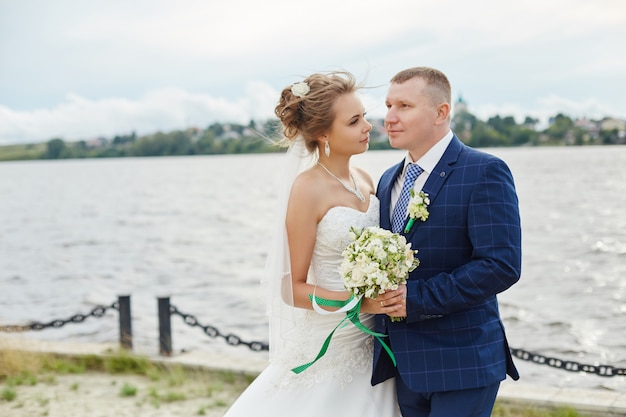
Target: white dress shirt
{"points": [[428, 162]]}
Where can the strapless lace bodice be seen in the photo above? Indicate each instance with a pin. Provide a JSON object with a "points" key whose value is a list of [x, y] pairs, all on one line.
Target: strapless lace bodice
{"points": [[333, 236]]}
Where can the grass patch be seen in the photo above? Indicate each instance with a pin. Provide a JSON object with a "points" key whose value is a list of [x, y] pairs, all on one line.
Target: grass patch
{"points": [[14, 363], [172, 396], [166, 383], [26, 367], [507, 410], [23, 378], [8, 394], [128, 391]]}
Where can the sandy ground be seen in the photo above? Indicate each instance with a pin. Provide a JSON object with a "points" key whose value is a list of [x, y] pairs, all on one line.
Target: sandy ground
{"points": [[102, 395], [206, 392]]}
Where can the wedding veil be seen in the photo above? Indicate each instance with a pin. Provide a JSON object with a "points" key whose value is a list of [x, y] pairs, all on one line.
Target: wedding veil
{"points": [[277, 278]]}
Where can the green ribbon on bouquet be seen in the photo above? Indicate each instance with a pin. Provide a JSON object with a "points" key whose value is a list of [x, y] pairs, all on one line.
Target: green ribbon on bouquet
{"points": [[351, 315]]}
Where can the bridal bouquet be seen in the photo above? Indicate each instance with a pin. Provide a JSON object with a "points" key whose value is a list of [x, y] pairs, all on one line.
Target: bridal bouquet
{"points": [[377, 260]]}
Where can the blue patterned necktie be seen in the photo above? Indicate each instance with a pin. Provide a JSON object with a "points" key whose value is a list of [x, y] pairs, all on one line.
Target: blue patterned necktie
{"points": [[399, 212]]}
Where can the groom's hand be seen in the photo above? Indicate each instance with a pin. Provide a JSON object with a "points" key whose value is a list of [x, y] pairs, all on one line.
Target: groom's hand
{"points": [[392, 303]]}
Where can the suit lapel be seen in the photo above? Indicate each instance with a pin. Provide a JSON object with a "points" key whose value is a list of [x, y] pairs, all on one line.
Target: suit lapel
{"points": [[440, 174], [384, 194]]}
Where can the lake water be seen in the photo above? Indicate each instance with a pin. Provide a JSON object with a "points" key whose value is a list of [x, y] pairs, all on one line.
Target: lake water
{"points": [[77, 233]]}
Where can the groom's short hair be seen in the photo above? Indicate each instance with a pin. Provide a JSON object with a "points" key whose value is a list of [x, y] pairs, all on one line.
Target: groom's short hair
{"points": [[437, 82]]}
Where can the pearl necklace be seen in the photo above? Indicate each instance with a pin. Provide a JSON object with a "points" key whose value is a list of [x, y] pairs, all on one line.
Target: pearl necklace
{"points": [[354, 190]]}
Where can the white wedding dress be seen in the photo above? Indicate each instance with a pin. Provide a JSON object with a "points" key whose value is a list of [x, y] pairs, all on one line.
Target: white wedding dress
{"points": [[339, 382]]}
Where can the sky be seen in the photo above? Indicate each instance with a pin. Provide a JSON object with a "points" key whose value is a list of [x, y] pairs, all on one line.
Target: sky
{"points": [[79, 69]]}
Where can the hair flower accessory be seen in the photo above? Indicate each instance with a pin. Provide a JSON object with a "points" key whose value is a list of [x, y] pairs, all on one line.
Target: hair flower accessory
{"points": [[418, 208], [300, 89]]}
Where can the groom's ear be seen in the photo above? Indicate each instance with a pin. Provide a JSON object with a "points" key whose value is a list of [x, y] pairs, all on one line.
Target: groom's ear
{"points": [[443, 113]]}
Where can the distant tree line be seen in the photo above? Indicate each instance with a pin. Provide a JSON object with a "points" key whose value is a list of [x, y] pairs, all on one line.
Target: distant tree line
{"points": [[229, 138], [500, 131], [215, 139]]}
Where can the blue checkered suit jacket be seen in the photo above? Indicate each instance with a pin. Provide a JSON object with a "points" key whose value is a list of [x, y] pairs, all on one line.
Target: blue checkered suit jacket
{"points": [[469, 251]]}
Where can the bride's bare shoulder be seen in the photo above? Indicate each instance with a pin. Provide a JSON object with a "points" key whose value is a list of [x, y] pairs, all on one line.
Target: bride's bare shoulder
{"points": [[308, 185], [310, 193]]}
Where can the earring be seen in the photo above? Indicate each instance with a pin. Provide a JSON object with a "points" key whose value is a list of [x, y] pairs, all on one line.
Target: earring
{"points": [[326, 149]]}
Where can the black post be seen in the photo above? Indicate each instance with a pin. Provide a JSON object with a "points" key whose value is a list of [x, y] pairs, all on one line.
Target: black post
{"points": [[165, 327], [126, 330]]}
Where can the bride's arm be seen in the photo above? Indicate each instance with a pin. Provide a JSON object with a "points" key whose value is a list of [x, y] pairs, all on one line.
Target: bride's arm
{"points": [[304, 210]]}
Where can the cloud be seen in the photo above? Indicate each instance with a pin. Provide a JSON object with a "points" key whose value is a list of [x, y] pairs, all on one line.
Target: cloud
{"points": [[165, 109], [81, 69]]}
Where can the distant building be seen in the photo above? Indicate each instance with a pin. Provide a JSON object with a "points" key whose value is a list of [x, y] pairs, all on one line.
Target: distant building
{"points": [[591, 128], [96, 143], [609, 123], [462, 120], [460, 106]]}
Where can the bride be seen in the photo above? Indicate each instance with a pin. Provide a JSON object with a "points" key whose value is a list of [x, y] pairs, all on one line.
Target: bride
{"points": [[324, 122]]}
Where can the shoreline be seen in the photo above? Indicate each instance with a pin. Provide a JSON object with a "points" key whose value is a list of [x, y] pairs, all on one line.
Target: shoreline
{"points": [[96, 388]]}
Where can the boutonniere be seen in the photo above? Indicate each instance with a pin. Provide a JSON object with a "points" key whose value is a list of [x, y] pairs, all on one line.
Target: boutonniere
{"points": [[418, 208]]}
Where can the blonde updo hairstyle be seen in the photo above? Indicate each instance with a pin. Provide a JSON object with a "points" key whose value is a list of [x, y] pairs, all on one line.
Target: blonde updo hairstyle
{"points": [[312, 115]]}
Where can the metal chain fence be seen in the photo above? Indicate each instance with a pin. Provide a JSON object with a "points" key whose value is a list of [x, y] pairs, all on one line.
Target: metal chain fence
{"points": [[571, 366], [213, 332], [97, 311], [234, 340]]}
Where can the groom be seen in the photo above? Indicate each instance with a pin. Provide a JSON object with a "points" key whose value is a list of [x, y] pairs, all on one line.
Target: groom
{"points": [[451, 349]]}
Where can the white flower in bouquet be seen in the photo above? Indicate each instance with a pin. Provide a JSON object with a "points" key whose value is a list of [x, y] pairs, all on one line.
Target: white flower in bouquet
{"points": [[377, 260]]}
